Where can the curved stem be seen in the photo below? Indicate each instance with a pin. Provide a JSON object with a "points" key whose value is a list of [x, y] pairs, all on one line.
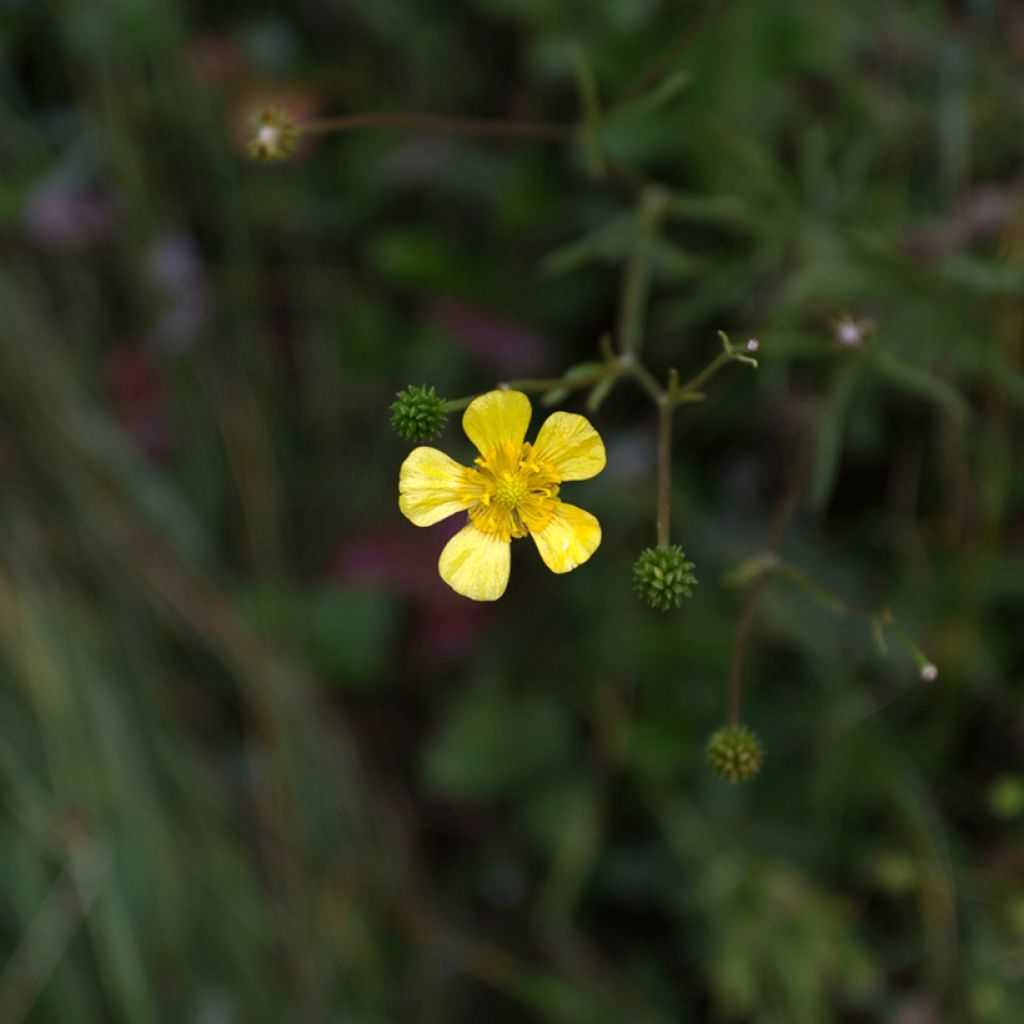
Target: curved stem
{"points": [[443, 125], [693, 386], [574, 383], [783, 513], [614, 367], [691, 390], [644, 378]]}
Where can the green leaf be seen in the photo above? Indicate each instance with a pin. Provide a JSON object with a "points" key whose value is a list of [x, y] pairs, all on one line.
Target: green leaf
{"points": [[670, 88], [554, 396], [708, 209], [590, 106], [830, 433], [920, 383], [419, 258], [984, 277], [350, 634], [580, 370], [492, 743], [607, 244], [599, 393]]}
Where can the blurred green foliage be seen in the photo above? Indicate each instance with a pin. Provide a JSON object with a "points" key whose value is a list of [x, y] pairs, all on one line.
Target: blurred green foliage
{"points": [[257, 763]]}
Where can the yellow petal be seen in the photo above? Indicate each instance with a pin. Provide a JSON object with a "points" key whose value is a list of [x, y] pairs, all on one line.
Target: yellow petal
{"points": [[569, 539], [497, 420], [475, 564], [431, 487], [571, 446]]}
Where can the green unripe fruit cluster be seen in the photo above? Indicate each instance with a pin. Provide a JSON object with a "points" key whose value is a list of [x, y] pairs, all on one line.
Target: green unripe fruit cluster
{"points": [[734, 754], [663, 577], [418, 413]]}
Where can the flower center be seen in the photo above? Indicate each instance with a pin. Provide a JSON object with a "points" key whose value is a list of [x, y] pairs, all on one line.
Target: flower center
{"points": [[511, 492]]}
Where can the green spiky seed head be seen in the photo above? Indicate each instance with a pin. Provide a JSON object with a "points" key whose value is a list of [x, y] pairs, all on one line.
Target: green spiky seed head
{"points": [[274, 135], [418, 413], [663, 577], [734, 754]]}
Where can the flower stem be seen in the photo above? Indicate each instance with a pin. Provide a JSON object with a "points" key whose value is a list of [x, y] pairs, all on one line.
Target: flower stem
{"points": [[614, 367], [443, 125], [575, 382], [761, 568], [739, 653], [664, 470], [694, 385], [881, 622], [644, 378], [692, 390], [823, 596], [758, 570]]}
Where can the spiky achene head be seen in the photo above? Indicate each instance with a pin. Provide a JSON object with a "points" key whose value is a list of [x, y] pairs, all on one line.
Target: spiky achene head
{"points": [[734, 753], [418, 413], [663, 577]]}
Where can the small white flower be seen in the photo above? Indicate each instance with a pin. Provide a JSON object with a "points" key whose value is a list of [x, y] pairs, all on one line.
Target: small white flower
{"points": [[849, 333]]}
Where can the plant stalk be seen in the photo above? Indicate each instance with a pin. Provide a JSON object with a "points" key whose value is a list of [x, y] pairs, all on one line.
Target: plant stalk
{"points": [[443, 125], [664, 470]]}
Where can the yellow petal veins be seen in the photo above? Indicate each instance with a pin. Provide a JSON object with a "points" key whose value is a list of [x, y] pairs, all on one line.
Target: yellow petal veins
{"points": [[570, 446], [476, 564], [497, 421], [431, 487], [569, 539]]}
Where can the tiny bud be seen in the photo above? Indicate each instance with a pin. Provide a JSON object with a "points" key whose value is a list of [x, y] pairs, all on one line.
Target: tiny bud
{"points": [[663, 577], [274, 135], [418, 413], [929, 673], [753, 345], [734, 754], [849, 333]]}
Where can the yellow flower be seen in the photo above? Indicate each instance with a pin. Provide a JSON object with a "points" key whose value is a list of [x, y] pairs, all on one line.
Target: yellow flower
{"points": [[511, 491]]}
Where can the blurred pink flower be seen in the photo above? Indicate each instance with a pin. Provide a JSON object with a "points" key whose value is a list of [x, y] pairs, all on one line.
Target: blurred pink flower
{"points": [[446, 627], [176, 271], [981, 214], [64, 214]]}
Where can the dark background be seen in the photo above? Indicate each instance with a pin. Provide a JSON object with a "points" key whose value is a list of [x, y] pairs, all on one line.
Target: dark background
{"points": [[257, 763]]}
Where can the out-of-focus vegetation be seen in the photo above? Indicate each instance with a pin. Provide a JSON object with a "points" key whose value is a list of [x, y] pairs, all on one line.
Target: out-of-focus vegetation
{"points": [[257, 763]]}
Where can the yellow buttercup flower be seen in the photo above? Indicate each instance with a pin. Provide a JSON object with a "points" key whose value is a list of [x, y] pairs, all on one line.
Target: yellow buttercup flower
{"points": [[511, 491]]}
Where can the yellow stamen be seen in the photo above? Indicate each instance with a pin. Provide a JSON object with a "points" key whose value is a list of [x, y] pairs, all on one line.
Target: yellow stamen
{"points": [[511, 493]]}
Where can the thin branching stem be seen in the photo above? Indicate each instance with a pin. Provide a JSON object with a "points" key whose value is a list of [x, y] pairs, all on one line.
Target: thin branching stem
{"points": [[762, 566], [693, 389], [644, 378], [695, 385], [739, 652], [615, 367], [443, 125]]}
